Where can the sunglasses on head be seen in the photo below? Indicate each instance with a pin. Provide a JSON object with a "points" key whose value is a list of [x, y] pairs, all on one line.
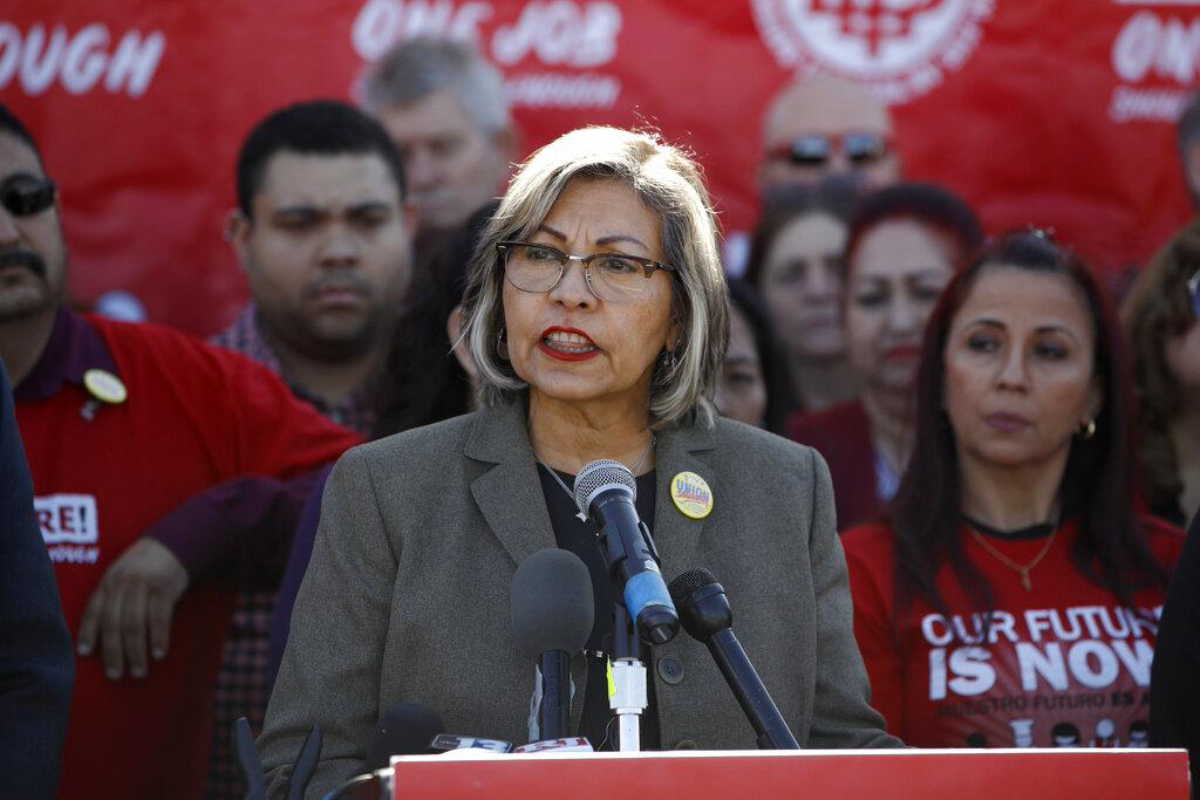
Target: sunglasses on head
{"points": [[815, 149], [25, 195]]}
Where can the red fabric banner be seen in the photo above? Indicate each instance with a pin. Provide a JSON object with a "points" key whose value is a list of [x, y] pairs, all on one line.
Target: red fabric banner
{"points": [[1054, 112]]}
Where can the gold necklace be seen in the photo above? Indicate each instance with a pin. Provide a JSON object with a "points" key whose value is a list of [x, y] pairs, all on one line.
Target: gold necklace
{"points": [[1008, 562]]}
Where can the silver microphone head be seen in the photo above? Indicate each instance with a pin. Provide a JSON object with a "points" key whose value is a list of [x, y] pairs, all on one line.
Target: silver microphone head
{"points": [[598, 476]]}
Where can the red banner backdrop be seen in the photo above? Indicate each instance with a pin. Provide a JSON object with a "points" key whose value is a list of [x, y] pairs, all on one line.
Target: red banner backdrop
{"points": [[1054, 112]]}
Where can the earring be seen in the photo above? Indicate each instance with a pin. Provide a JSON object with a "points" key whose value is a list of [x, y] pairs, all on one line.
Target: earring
{"points": [[1087, 430], [502, 345]]}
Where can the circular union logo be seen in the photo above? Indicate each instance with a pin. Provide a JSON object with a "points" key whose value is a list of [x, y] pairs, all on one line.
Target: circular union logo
{"points": [[903, 48]]}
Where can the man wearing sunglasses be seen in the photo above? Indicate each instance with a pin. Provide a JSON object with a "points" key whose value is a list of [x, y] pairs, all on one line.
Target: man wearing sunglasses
{"points": [[122, 424], [827, 126]]}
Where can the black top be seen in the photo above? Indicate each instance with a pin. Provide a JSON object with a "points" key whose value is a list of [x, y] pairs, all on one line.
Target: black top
{"points": [[580, 538], [1174, 691]]}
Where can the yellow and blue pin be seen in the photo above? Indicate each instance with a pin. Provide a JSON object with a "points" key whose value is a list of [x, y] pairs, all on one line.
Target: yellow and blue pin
{"points": [[691, 495]]}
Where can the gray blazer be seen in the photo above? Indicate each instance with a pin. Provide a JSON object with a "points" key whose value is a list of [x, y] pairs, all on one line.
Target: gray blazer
{"points": [[407, 594]]}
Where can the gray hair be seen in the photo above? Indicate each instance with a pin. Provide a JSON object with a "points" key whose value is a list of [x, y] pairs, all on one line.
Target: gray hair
{"points": [[670, 184], [415, 69]]}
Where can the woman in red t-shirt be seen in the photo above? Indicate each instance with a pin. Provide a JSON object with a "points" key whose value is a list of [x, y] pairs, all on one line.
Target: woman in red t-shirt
{"points": [[1011, 597]]}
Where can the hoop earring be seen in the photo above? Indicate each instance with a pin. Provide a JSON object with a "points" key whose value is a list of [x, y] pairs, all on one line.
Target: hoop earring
{"points": [[1087, 430]]}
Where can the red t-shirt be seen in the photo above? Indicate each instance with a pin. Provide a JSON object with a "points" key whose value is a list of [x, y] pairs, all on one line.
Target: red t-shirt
{"points": [[195, 416], [1063, 664]]}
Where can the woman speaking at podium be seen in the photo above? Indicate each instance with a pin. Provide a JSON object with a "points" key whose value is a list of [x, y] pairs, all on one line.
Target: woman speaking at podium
{"points": [[596, 314]]}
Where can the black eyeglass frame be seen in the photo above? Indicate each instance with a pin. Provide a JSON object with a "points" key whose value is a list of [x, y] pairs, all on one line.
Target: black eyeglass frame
{"points": [[648, 264], [27, 200]]}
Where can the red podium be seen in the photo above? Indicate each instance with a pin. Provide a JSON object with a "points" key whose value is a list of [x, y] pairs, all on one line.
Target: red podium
{"points": [[1085, 774]]}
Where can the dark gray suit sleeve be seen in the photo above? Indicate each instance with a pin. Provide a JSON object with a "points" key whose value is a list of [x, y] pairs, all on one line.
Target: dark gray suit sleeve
{"points": [[330, 675], [37, 665], [842, 717]]}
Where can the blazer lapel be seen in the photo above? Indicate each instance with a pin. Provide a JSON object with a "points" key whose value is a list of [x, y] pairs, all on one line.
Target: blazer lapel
{"points": [[510, 493], [676, 536]]}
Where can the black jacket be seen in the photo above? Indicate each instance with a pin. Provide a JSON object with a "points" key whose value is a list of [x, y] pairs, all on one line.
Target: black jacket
{"points": [[37, 665], [1175, 676]]}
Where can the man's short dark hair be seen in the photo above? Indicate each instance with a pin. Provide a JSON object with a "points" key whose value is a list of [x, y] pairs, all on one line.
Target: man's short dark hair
{"points": [[9, 123], [317, 127], [1188, 127]]}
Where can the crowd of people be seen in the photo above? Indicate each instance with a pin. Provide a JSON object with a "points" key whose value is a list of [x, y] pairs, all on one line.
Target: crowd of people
{"points": [[945, 480]]}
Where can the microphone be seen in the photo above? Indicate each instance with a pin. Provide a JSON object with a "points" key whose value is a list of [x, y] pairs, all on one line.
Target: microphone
{"points": [[251, 767], [305, 766], [605, 492], [553, 611], [403, 729], [708, 617]]}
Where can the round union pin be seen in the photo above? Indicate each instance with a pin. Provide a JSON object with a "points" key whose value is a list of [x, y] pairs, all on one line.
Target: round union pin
{"points": [[105, 387], [692, 496]]}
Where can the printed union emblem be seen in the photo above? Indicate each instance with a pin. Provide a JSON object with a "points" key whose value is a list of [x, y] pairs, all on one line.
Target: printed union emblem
{"points": [[902, 47], [692, 495]]}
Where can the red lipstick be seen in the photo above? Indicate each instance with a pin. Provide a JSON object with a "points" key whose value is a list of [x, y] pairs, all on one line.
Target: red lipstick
{"points": [[567, 350]]}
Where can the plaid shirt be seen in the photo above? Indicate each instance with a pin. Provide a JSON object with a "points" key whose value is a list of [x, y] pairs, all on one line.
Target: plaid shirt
{"points": [[245, 336], [244, 685]]}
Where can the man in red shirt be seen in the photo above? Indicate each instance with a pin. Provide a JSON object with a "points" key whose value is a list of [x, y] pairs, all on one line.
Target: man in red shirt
{"points": [[122, 424]]}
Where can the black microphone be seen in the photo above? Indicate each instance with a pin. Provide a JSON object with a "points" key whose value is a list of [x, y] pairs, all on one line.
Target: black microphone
{"points": [[552, 616], [305, 766], [404, 729], [251, 767], [605, 492], [708, 617]]}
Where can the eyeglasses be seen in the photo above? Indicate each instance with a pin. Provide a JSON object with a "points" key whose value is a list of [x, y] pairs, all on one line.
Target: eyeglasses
{"points": [[816, 149], [1193, 286], [612, 277], [24, 195]]}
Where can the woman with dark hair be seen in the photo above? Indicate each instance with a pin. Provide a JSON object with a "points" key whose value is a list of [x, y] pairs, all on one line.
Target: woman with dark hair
{"points": [[796, 265], [1008, 598], [754, 387], [905, 244], [1162, 317], [421, 383]]}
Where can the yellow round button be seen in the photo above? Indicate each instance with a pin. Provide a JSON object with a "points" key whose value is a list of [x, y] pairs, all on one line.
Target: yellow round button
{"points": [[105, 386], [692, 496]]}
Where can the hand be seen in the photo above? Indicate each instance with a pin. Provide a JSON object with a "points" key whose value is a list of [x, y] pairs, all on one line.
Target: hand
{"points": [[135, 599]]}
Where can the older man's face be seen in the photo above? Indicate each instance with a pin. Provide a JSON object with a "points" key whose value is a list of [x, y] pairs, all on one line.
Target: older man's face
{"points": [[454, 167], [33, 255]]}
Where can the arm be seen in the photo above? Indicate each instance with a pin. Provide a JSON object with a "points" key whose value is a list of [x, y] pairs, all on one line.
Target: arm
{"points": [[298, 559], [261, 431], [876, 642], [37, 667], [1174, 697], [842, 717], [332, 664]]}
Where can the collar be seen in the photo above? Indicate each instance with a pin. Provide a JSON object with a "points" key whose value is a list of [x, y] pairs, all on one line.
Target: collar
{"points": [[74, 347], [246, 336]]}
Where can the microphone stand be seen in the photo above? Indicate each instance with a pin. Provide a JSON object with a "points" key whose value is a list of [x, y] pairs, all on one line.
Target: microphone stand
{"points": [[628, 699]]}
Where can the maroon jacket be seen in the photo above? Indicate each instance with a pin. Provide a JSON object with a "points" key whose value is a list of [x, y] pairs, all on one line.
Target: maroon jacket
{"points": [[841, 434]]}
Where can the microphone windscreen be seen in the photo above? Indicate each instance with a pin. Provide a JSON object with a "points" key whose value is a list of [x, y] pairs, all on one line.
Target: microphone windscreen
{"points": [[404, 729], [599, 475], [689, 582], [551, 603]]}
